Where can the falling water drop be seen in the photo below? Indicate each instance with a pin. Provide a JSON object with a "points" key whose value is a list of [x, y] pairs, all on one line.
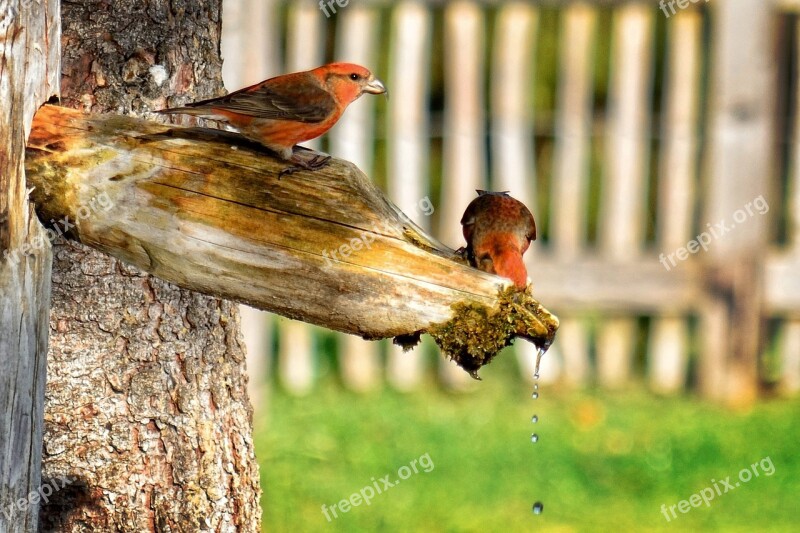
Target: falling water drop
{"points": [[535, 395], [534, 419], [535, 386], [538, 508], [534, 437], [539, 354]]}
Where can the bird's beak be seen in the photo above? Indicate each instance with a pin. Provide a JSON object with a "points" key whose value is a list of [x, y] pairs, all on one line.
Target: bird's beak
{"points": [[375, 86]]}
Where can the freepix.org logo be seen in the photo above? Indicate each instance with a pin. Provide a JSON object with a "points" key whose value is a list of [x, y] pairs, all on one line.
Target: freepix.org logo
{"points": [[718, 488]]}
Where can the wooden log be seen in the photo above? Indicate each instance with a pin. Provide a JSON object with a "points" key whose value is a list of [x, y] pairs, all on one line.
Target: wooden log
{"points": [[207, 210]]}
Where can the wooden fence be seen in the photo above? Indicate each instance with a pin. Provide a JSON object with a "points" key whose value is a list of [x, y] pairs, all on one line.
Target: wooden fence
{"points": [[657, 150]]}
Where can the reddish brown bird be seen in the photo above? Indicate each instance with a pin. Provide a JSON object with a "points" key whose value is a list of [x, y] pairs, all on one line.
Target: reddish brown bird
{"points": [[286, 110], [498, 230]]}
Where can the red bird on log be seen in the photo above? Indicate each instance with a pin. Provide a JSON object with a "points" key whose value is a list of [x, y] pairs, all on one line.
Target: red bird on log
{"points": [[289, 109], [498, 230]]}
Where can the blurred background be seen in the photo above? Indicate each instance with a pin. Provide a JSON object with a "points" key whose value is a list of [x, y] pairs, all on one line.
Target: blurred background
{"points": [[631, 130]]}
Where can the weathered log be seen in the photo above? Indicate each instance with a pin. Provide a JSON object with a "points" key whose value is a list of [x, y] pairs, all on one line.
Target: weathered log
{"points": [[208, 211]]}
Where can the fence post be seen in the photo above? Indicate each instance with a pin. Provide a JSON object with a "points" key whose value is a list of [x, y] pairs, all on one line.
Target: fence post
{"points": [[738, 171], [29, 37]]}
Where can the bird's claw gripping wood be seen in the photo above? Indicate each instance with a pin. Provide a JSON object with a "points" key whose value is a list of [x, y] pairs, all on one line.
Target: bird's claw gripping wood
{"points": [[305, 160], [208, 213]]}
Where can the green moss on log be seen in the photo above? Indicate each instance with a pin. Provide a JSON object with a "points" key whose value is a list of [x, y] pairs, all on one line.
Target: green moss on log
{"points": [[476, 334]]}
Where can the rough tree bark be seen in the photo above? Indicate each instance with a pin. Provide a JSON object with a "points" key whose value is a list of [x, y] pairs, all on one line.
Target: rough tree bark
{"points": [[147, 416], [28, 76]]}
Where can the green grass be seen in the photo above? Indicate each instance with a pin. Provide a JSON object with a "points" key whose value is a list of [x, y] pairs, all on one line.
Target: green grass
{"points": [[603, 462]]}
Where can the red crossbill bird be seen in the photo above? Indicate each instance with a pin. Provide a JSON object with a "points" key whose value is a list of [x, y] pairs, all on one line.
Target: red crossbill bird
{"points": [[289, 109], [498, 230]]}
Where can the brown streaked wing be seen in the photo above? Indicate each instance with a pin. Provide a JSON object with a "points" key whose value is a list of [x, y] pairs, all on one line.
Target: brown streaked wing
{"points": [[300, 100]]}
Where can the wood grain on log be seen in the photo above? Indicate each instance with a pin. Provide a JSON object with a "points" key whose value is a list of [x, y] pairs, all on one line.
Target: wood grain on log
{"points": [[207, 210]]}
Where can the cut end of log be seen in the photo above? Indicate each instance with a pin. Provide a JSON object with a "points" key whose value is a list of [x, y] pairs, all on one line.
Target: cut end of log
{"points": [[477, 333]]}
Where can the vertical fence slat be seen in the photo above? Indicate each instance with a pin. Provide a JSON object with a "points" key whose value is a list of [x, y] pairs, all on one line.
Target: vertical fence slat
{"points": [[513, 166], [512, 100], [257, 332], [250, 55], [464, 165], [231, 44], [260, 56], [305, 42], [790, 329], [353, 139], [304, 50], [677, 175], [407, 179], [249, 44], [624, 192], [296, 356], [571, 168], [740, 155], [790, 358], [793, 214]]}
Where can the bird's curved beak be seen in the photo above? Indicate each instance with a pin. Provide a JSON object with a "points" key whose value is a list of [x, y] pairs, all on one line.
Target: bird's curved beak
{"points": [[375, 86]]}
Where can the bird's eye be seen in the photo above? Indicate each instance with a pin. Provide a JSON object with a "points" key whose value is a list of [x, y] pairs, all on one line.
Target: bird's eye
{"points": [[354, 76]]}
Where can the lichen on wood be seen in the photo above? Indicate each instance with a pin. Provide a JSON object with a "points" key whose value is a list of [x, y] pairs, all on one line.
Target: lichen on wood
{"points": [[477, 333]]}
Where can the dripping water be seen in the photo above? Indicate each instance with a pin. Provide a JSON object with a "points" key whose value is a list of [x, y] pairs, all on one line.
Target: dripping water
{"points": [[538, 507]]}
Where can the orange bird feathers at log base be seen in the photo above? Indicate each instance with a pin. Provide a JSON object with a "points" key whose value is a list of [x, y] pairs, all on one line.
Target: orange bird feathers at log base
{"points": [[498, 230], [289, 109]]}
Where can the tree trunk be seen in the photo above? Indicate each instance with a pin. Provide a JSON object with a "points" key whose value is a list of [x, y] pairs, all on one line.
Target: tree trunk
{"points": [[28, 63], [147, 422]]}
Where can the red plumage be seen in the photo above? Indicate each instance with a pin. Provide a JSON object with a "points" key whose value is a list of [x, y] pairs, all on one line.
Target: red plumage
{"points": [[289, 109], [498, 230]]}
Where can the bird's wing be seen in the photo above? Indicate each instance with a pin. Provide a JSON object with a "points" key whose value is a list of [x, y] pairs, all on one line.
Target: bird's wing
{"points": [[300, 100]]}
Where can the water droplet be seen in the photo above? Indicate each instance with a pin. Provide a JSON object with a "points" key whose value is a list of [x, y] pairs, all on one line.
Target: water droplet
{"points": [[538, 508], [534, 437], [535, 395], [535, 386], [534, 419], [539, 354]]}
